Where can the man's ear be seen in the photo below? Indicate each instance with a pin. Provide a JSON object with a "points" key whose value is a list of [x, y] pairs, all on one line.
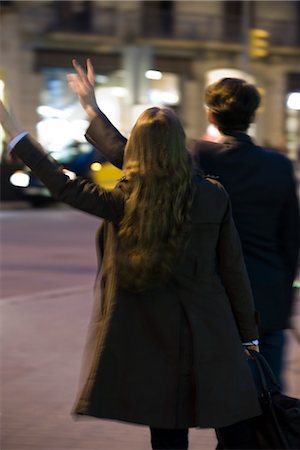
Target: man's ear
{"points": [[210, 117]]}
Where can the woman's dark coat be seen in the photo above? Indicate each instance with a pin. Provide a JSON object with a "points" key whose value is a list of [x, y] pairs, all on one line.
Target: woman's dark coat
{"points": [[170, 356]]}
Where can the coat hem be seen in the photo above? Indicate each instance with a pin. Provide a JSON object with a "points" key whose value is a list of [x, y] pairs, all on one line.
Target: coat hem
{"points": [[77, 415]]}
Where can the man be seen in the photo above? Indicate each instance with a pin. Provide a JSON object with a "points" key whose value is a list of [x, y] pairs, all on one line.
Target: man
{"points": [[265, 208], [260, 183]]}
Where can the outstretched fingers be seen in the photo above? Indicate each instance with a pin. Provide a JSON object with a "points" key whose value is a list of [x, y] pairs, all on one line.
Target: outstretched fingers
{"points": [[90, 71], [82, 84], [81, 74]]}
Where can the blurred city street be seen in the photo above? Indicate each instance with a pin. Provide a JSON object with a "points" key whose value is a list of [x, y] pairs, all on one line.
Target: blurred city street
{"points": [[48, 270]]}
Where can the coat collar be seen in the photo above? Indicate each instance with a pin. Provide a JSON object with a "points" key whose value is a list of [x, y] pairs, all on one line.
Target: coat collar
{"points": [[234, 137]]}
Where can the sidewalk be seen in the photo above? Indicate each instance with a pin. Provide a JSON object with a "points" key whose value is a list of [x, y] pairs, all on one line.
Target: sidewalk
{"points": [[44, 337]]}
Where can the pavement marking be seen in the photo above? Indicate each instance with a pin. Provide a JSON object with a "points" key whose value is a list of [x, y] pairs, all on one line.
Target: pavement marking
{"points": [[52, 293]]}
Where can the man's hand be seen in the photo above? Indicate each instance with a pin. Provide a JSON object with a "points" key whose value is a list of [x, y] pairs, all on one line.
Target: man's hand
{"points": [[83, 85], [8, 122]]}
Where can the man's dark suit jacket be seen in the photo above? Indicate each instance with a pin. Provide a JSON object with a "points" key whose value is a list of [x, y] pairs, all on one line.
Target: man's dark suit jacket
{"points": [[265, 208]]}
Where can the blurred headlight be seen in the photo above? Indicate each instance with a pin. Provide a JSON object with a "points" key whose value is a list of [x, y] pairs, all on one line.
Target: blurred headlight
{"points": [[96, 166], [20, 179]]}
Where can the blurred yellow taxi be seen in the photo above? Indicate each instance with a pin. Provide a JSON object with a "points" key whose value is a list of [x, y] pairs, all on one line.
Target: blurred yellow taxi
{"points": [[105, 174]]}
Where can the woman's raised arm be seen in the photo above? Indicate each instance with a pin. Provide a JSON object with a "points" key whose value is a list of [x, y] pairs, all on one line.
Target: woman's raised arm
{"points": [[79, 192]]}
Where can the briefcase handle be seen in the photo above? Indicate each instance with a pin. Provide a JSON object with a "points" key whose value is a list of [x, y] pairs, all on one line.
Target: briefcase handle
{"points": [[264, 368]]}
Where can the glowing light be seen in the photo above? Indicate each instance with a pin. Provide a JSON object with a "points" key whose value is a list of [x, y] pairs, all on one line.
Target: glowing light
{"points": [[20, 179], [70, 174], [293, 101], [109, 104], [215, 75], [213, 131], [119, 91], [170, 98], [164, 97], [55, 134], [2, 89], [101, 78], [155, 96], [96, 166], [49, 112], [153, 75]]}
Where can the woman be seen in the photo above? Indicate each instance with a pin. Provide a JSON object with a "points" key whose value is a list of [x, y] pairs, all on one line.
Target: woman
{"points": [[165, 344]]}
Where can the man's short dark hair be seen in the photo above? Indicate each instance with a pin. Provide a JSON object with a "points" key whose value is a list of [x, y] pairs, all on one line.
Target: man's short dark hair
{"points": [[233, 103]]}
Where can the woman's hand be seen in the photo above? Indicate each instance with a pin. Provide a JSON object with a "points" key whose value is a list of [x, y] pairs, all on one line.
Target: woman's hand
{"points": [[9, 123], [83, 85], [250, 347]]}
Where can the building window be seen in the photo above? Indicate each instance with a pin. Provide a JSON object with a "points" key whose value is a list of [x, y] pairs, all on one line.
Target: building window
{"points": [[233, 11], [73, 15], [158, 18]]}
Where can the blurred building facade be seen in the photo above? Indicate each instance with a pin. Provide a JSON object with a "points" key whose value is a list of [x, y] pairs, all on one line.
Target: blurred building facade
{"points": [[151, 52]]}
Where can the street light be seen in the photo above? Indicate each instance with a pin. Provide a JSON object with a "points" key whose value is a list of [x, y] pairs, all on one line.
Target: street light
{"points": [[293, 101]]}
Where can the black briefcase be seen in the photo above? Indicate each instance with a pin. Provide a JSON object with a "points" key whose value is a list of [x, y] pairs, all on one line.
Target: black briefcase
{"points": [[279, 425]]}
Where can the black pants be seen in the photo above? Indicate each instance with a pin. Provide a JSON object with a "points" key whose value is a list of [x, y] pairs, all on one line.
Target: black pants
{"points": [[238, 436], [164, 439]]}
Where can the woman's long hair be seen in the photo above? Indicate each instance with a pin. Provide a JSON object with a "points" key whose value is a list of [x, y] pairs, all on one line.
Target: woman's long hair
{"points": [[158, 171]]}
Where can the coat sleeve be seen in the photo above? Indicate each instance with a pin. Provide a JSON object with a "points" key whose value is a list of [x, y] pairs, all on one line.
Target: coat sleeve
{"points": [[235, 279], [107, 139], [79, 192]]}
